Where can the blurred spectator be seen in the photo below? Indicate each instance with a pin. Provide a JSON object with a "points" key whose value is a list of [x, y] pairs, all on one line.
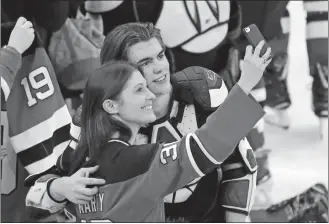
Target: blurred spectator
{"points": [[74, 52], [272, 18]]}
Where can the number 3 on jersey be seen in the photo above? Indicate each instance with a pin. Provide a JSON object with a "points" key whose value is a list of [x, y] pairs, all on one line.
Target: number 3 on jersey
{"points": [[38, 79], [169, 151]]}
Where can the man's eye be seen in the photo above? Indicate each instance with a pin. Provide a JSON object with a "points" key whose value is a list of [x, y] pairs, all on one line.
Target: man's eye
{"points": [[161, 55], [139, 89], [145, 63]]}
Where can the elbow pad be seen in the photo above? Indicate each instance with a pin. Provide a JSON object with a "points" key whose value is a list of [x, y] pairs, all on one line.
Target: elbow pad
{"points": [[39, 203], [239, 181]]}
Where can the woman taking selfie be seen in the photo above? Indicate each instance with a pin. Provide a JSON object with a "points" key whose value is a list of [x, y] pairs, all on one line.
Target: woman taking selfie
{"points": [[116, 104]]}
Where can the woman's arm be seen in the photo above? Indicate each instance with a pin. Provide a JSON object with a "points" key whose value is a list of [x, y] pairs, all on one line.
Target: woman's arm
{"points": [[198, 153]]}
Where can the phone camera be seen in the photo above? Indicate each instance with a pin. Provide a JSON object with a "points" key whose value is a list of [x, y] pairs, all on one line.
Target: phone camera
{"points": [[247, 29]]}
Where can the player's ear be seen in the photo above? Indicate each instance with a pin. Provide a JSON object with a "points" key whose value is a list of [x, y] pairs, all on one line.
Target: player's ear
{"points": [[110, 106]]}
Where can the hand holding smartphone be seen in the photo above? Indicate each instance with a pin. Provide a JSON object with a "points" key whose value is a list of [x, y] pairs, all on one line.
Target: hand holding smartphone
{"points": [[257, 57], [254, 36]]}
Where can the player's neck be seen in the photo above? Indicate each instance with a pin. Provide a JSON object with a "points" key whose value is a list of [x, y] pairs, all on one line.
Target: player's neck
{"points": [[161, 104]]}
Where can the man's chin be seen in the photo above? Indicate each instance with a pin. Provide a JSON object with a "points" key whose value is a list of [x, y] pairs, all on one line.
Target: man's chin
{"points": [[162, 89]]}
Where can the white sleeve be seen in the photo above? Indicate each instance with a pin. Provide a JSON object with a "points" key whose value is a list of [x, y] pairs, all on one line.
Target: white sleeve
{"points": [[39, 201]]}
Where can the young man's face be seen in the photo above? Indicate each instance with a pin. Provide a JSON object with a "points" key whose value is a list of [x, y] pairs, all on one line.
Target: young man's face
{"points": [[149, 56]]}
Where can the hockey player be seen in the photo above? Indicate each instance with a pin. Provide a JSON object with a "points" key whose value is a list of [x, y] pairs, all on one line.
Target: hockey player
{"points": [[167, 127]]}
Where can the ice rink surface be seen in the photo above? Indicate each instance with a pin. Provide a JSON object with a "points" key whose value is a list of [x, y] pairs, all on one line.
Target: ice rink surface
{"points": [[299, 158]]}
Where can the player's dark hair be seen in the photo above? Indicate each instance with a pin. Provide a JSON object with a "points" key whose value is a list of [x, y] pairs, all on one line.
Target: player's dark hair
{"points": [[122, 37], [97, 126]]}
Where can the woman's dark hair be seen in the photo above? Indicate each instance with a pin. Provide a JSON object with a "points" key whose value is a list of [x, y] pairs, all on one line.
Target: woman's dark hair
{"points": [[122, 37], [97, 126]]}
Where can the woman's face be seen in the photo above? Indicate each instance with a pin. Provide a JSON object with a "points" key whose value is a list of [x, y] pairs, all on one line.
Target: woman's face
{"points": [[134, 104]]}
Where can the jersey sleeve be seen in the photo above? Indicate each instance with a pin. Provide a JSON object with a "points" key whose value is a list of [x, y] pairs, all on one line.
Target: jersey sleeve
{"points": [[176, 164]]}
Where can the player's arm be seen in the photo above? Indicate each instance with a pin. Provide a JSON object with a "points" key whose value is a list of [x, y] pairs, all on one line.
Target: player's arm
{"points": [[51, 192], [44, 197]]}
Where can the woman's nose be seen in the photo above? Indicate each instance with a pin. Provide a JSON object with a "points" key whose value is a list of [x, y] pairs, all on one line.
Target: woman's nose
{"points": [[150, 95]]}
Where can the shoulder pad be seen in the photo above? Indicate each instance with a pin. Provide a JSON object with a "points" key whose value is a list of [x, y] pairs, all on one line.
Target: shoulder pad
{"points": [[201, 85]]}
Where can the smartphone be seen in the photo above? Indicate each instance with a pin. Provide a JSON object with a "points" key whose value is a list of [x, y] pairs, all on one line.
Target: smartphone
{"points": [[254, 36]]}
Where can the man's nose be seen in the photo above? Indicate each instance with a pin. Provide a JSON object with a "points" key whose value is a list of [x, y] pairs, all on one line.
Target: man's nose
{"points": [[158, 67]]}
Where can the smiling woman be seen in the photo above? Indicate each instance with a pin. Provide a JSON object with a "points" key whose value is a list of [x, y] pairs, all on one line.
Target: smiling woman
{"points": [[116, 103]]}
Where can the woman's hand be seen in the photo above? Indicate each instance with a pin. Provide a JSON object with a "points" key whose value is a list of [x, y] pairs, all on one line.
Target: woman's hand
{"points": [[74, 188], [22, 36], [253, 67]]}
